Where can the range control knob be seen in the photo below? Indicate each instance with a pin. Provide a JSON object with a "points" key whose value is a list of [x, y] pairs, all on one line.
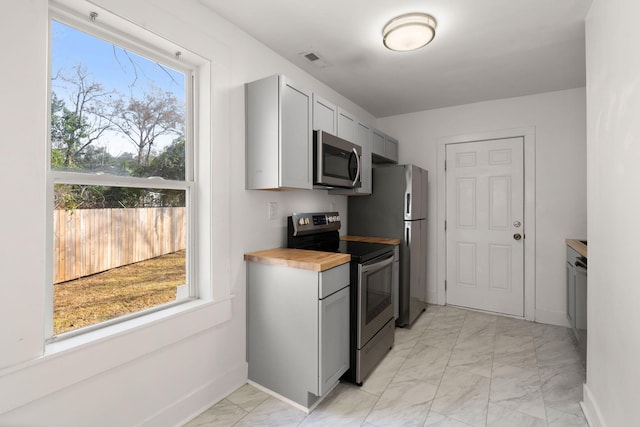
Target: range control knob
{"points": [[301, 221], [306, 221]]}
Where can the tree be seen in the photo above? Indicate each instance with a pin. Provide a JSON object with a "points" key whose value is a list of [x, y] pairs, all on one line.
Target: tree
{"points": [[169, 164], [143, 120], [96, 113], [76, 128]]}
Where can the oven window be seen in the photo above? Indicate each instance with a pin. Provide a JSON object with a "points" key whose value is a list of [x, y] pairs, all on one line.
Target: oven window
{"points": [[378, 292]]}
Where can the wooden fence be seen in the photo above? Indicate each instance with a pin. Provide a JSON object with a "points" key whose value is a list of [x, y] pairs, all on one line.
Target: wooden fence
{"points": [[88, 241]]}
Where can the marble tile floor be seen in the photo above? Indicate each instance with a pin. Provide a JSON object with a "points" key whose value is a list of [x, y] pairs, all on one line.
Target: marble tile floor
{"points": [[452, 368]]}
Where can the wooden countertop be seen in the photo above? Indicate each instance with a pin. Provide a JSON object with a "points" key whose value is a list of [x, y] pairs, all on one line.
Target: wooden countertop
{"points": [[580, 247], [383, 240], [299, 258]]}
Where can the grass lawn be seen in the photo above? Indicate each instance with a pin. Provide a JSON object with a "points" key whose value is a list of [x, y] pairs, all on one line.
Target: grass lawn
{"points": [[123, 290]]}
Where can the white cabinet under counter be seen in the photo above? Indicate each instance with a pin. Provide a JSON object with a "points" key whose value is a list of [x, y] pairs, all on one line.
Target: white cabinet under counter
{"points": [[297, 323], [577, 292]]}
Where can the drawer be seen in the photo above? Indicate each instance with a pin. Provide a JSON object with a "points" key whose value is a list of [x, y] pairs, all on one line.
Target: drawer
{"points": [[333, 280]]}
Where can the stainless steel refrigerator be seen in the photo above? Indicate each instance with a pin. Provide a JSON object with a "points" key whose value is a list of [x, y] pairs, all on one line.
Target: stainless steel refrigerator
{"points": [[397, 208]]}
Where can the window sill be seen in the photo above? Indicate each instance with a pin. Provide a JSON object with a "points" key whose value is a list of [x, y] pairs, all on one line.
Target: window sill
{"points": [[141, 323], [64, 363]]}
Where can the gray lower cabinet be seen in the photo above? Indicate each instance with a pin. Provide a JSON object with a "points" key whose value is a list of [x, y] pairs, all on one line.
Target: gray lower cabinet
{"points": [[577, 298], [395, 284], [278, 135], [297, 329]]}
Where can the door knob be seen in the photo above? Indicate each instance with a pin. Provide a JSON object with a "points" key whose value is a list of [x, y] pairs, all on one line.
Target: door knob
{"points": [[517, 236]]}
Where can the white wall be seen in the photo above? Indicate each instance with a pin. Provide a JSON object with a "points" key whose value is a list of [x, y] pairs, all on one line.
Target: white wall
{"points": [[612, 392], [559, 121], [164, 372]]}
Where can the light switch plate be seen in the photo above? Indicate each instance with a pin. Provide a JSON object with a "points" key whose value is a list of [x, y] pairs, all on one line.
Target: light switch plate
{"points": [[272, 211]]}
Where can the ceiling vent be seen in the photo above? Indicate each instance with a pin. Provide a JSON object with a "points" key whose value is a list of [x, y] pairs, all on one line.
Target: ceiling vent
{"points": [[315, 59]]}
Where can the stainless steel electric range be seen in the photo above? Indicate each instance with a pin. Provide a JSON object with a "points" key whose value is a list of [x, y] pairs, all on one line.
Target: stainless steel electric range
{"points": [[371, 275]]}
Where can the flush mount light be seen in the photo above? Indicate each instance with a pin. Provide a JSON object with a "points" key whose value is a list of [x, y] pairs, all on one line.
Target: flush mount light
{"points": [[409, 32]]}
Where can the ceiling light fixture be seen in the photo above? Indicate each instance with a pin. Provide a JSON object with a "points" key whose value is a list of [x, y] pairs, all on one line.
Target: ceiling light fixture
{"points": [[409, 32]]}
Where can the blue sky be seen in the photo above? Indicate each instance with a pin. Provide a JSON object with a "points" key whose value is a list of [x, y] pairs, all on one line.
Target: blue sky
{"points": [[111, 66], [108, 65]]}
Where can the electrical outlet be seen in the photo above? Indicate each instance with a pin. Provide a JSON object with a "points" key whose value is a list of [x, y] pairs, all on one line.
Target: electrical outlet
{"points": [[272, 211]]}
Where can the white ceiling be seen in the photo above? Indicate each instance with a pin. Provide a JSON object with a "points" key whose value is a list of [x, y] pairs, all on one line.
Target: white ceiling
{"points": [[483, 49]]}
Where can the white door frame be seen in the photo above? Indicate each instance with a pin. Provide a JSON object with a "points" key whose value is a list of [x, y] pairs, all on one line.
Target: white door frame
{"points": [[528, 135]]}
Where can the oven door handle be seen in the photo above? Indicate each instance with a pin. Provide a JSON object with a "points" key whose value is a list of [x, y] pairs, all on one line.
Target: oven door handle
{"points": [[378, 265]]}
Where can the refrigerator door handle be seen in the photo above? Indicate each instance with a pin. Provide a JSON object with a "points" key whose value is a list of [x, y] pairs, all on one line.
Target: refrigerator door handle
{"points": [[408, 201], [407, 232]]}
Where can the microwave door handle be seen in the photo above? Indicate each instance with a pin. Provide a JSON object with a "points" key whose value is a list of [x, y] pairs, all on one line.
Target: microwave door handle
{"points": [[355, 153]]}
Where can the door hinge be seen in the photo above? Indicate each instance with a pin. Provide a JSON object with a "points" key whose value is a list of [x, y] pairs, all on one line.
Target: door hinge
{"points": [[445, 226], [445, 285], [445, 165]]}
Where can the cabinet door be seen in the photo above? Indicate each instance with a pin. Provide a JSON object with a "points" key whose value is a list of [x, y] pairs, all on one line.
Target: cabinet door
{"points": [[580, 320], [377, 142], [347, 126], [334, 339], [363, 140], [571, 294], [395, 283], [296, 154], [325, 115], [391, 148]]}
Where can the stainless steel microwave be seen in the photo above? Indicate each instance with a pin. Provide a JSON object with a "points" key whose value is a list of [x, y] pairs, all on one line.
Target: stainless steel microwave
{"points": [[336, 161]]}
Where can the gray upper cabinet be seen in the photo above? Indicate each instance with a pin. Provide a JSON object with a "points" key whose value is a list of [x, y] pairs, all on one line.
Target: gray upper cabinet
{"points": [[384, 149], [325, 115], [278, 135], [332, 119], [280, 119], [347, 126], [377, 142], [391, 148]]}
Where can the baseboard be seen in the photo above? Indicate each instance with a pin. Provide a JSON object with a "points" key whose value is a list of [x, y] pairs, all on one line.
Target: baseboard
{"points": [[558, 318], [291, 402], [199, 400], [590, 408]]}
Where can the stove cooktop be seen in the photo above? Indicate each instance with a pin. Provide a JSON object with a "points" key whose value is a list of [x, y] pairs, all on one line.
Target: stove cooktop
{"points": [[363, 251], [319, 232]]}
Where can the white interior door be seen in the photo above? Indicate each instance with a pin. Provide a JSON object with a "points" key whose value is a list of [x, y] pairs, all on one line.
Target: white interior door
{"points": [[485, 225]]}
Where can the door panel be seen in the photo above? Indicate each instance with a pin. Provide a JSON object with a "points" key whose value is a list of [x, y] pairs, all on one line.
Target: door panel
{"points": [[484, 210], [295, 153], [334, 339]]}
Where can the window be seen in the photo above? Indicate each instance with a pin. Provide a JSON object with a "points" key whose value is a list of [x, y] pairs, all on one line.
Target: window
{"points": [[120, 178]]}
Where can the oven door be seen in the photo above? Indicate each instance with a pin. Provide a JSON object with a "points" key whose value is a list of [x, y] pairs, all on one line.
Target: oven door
{"points": [[337, 161], [375, 306]]}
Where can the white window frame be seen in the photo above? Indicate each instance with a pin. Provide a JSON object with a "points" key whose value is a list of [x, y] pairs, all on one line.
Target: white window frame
{"points": [[135, 39]]}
